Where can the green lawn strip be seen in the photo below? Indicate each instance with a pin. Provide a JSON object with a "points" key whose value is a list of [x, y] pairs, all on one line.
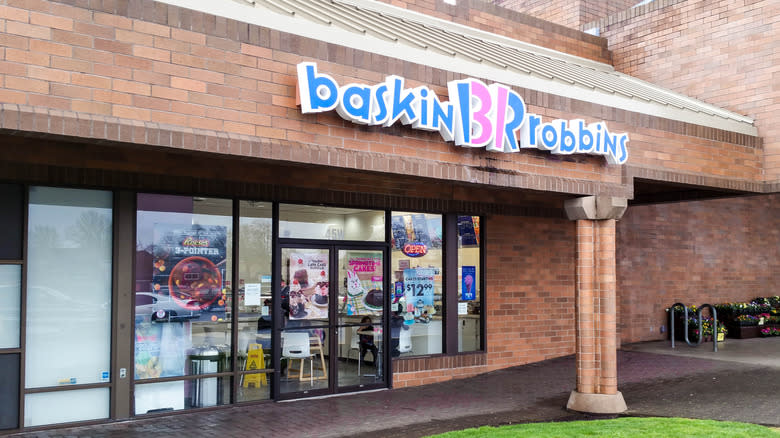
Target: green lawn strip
{"points": [[622, 427]]}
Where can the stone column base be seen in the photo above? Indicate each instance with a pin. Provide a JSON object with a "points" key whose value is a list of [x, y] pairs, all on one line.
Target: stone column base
{"points": [[597, 403]]}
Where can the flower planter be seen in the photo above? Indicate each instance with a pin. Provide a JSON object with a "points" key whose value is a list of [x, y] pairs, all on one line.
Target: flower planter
{"points": [[708, 338], [745, 331]]}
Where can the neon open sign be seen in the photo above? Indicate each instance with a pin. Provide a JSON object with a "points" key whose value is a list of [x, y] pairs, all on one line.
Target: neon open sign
{"points": [[477, 115], [415, 249]]}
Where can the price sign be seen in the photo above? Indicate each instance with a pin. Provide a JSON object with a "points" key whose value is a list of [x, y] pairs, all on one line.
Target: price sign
{"points": [[418, 286]]}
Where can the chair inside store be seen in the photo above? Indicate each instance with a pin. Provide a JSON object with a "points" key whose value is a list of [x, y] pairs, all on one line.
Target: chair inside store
{"points": [[295, 345], [405, 342]]}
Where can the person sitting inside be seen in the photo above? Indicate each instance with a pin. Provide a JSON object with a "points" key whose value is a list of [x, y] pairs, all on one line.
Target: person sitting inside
{"points": [[396, 326], [366, 339]]}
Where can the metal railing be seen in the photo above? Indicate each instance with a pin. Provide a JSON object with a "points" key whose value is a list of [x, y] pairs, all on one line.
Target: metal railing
{"points": [[701, 331]]}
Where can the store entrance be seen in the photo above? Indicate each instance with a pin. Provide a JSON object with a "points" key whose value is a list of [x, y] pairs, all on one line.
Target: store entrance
{"points": [[333, 327]]}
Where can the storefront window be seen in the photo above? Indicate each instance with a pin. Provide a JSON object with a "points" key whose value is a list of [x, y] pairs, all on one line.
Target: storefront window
{"points": [[328, 223], [183, 292], [11, 235], [417, 304], [10, 294], [11, 219], [255, 299], [65, 406], [9, 391], [68, 324], [469, 298]]}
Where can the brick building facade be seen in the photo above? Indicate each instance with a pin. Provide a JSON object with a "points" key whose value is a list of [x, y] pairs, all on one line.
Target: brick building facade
{"points": [[151, 104], [722, 53], [572, 14]]}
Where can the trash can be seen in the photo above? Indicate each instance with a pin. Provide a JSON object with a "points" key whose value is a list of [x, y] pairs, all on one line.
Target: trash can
{"points": [[208, 391]]}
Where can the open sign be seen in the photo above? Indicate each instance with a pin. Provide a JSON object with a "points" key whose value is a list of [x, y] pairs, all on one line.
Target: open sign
{"points": [[415, 249]]}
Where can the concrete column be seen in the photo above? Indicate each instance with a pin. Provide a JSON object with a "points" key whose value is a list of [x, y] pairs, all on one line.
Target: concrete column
{"points": [[596, 339]]}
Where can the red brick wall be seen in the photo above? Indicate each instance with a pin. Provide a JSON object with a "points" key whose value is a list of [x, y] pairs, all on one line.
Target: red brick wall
{"points": [[530, 273], [653, 150], [723, 52], [592, 10], [91, 62], [515, 24], [531, 268], [695, 252], [69, 59], [565, 13], [570, 13]]}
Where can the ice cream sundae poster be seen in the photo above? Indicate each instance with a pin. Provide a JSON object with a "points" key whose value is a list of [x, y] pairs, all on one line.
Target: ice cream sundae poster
{"points": [[308, 285], [189, 265], [468, 283]]}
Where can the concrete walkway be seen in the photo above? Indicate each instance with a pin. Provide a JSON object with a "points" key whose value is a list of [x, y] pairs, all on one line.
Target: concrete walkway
{"points": [[739, 383]]}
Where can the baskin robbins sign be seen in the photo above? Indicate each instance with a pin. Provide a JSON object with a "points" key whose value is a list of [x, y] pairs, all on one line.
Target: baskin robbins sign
{"points": [[477, 115]]}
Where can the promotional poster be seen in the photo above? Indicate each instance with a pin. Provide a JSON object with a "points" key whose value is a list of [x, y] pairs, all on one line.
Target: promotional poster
{"points": [[416, 228], [364, 284], [189, 266], [399, 232], [419, 284], [309, 286], [468, 286], [468, 230], [160, 349]]}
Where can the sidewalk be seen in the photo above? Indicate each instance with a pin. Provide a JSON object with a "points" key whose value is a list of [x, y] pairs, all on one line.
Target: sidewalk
{"points": [[739, 383]]}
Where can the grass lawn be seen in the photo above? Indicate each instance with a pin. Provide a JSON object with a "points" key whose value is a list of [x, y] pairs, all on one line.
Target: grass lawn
{"points": [[622, 427]]}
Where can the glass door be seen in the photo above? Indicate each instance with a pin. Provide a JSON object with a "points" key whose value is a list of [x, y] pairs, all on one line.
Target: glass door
{"points": [[361, 322], [332, 333], [305, 332]]}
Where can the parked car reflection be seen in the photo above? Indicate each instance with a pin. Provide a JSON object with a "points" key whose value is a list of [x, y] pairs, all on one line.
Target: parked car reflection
{"points": [[158, 307]]}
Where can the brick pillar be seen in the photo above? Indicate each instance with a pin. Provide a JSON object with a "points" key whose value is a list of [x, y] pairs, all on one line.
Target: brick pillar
{"points": [[607, 326], [596, 338]]}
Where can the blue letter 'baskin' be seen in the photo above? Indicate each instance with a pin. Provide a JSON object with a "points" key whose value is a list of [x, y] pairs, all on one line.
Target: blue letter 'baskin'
{"points": [[320, 90], [478, 115]]}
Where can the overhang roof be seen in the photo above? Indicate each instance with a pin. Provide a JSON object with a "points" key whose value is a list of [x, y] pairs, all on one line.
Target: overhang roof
{"points": [[384, 29]]}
